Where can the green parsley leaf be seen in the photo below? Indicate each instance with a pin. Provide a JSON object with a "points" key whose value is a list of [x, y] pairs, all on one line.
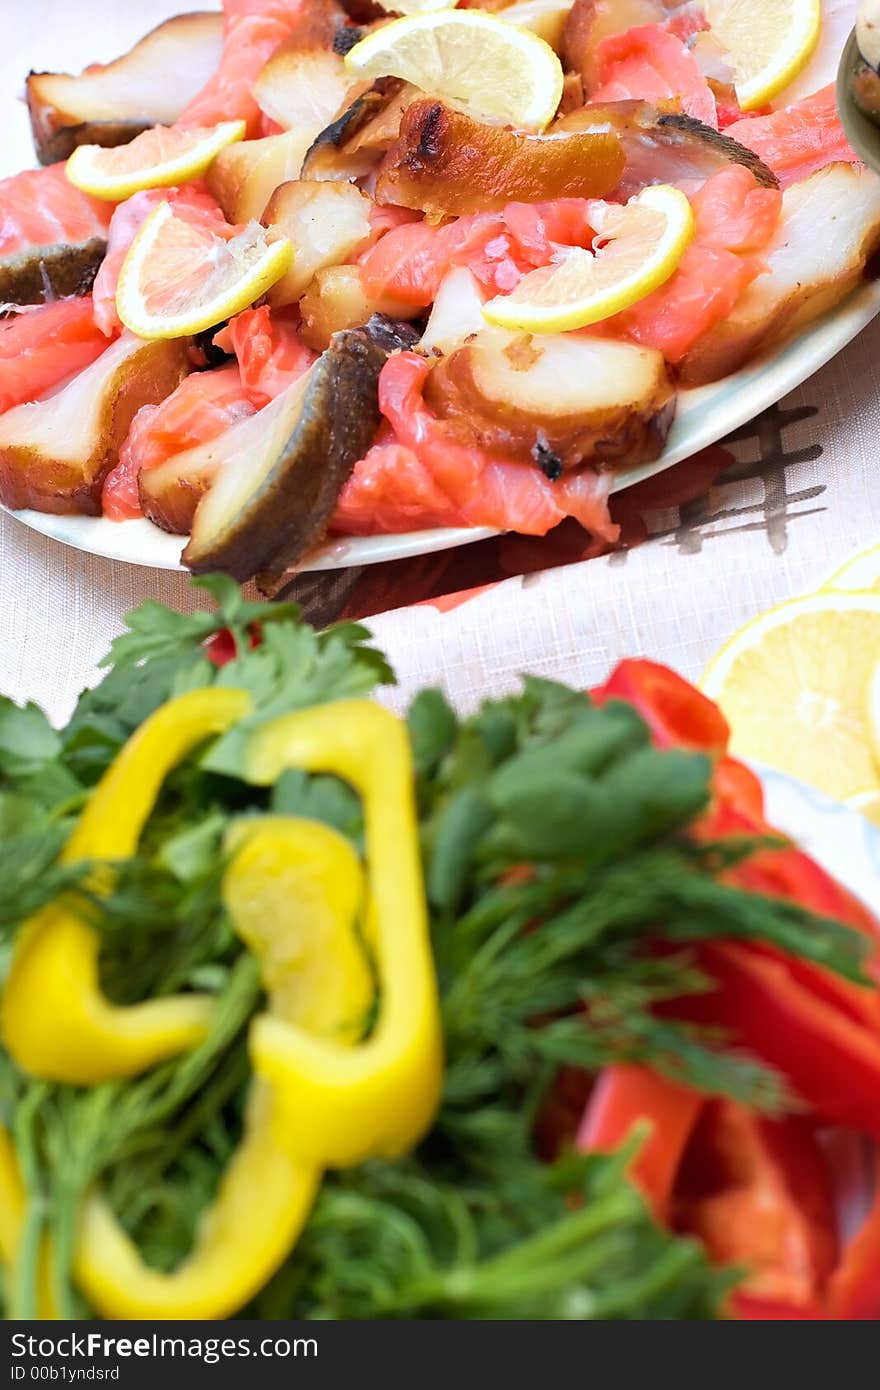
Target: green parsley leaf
{"points": [[27, 739], [294, 667]]}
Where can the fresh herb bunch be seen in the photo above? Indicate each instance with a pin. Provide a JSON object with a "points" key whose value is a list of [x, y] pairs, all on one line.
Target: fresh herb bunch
{"points": [[555, 850], [520, 1239]]}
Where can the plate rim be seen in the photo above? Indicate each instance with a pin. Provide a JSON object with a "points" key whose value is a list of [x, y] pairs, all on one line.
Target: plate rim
{"points": [[859, 869], [729, 403]]}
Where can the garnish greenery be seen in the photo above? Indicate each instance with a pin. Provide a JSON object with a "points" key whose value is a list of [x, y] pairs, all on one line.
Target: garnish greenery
{"points": [[566, 900]]}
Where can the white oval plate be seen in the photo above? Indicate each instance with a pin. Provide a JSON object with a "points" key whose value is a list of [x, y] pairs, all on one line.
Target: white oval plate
{"points": [[705, 415], [841, 840]]}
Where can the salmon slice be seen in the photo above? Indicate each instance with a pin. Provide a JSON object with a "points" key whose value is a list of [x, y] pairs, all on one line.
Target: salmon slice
{"points": [[416, 477], [40, 349], [685, 20], [202, 407], [734, 220], [52, 236], [391, 491], [650, 64], [193, 203], [287, 11], [252, 33], [410, 261], [271, 355], [799, 139], [39, 207], [590, 22]]}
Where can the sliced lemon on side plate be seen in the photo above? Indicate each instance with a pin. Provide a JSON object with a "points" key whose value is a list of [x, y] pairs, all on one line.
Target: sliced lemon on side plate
{"points": [[766, 41], [638, 247], [872, 713], [792, 684], [495, 71], [179, 279], [861, 571], [159, 158]]}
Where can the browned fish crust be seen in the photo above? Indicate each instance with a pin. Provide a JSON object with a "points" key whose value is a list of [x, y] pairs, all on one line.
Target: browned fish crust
{"points": [[730, 150], [346, 141], [294, 504], [42, 274], [53, 146]]}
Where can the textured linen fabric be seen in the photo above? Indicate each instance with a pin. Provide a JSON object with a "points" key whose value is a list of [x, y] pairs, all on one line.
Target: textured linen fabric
{"points": [[801, 495]]}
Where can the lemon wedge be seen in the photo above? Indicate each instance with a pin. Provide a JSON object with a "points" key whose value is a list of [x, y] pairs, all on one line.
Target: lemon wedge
{"points": [[792, 684], [861, 571], [179, 279], [766, 41], [638, 248], [495, 71], [162, 157]]}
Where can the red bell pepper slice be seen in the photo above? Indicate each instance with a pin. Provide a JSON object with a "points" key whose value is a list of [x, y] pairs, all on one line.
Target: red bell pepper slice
{"points": [[622, 1096], [757, 1193], [677, 714], [739, 790], [821, 1031], [750, 1309], [831, 1061], [221, 648], [788, 873]]}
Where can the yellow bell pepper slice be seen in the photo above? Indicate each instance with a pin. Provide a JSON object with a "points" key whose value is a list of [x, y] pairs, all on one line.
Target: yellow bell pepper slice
{"points": [[318, 1099], [56, 1022], [294, 889], [262, 1205], [335, 1108]]}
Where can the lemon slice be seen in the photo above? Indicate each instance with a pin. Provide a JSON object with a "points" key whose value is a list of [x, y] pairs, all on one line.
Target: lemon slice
{"points": [[872, 713], [398, 7], [792, 685], [179, 279], [159, 158], [861, 571], [638, 247], [767, 42], [495, 71]]}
